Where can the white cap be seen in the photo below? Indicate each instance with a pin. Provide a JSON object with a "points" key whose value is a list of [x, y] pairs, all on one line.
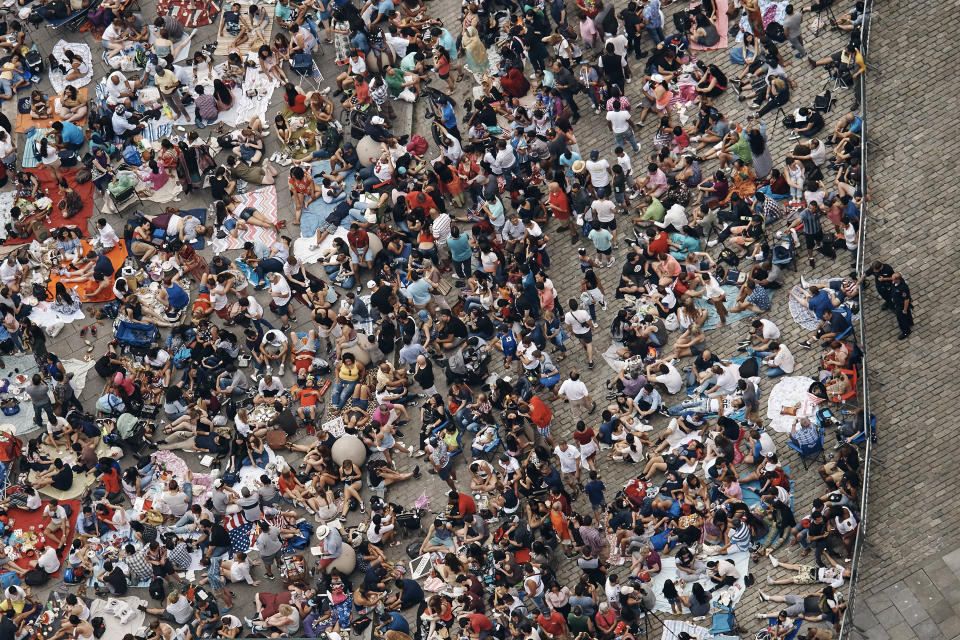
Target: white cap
{"points": [[376, 120], [656, 77]]}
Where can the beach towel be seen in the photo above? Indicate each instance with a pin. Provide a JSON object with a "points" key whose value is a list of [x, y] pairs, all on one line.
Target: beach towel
{"points": [[57, 80], [242, 535], [189, 13], [28, 158], [713, 319], [771, 12], [722, 27], [264, 200], [672, 629], [669, 572], [260, 36], [56, 218], [788, 392], [801, 312], [184, 52], [117, 257], [25, 121]]}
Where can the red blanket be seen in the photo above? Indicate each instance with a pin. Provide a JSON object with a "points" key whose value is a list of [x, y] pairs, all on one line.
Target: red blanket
{"points": [[26, 519], [56, 215]]}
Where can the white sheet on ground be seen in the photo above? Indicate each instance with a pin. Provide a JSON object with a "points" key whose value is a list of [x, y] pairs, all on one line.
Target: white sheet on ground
{"points": [[115, 630], [789, 391], [303, 252], [82, 49], [673, 628], [669, 572], [44, 315]]}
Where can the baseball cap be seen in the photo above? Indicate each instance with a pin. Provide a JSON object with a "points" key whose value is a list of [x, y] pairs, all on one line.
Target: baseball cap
{"points": [[376, 120], [594, 154]]}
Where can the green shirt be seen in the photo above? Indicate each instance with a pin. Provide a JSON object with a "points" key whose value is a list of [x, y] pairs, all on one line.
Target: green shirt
{"points": [[742, 149], [407, 63], [394, 82], [602, 239], [655, 211]]}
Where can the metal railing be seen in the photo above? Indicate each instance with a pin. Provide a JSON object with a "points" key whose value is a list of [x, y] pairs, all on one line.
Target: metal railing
{"points": [[848, 628]]}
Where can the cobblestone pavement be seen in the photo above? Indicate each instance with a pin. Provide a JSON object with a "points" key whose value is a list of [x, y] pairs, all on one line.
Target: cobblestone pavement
{"points": [[896, 498]]}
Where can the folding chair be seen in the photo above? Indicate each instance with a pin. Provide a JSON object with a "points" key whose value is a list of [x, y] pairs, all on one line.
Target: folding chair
{"points": [[814, 451]]}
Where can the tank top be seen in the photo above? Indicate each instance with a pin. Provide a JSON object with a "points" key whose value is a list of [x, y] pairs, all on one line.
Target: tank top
{"points": [[349, 374], [846, 525]]}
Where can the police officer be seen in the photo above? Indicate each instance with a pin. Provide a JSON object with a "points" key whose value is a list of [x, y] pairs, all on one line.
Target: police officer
{"points": [[902, 305], [883, 277]]}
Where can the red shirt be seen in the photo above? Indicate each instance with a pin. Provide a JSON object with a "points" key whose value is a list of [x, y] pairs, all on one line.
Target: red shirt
{"points": [[559, 199], [466, 505], [427, 203], [480, 622], [111, 481], [358, 239], [553, 625], [583, 437], [540, 413], [660, 244]]}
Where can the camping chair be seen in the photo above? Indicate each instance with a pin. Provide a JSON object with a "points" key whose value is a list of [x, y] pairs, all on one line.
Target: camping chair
{"points": [[724, 620], [797, 623], [842, 399], [122, 198], [785, 252], [453, 452], [75, 20], [861, 436], [814, 451], [488, 450]]}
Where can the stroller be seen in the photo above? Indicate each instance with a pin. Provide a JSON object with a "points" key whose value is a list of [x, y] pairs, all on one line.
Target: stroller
{"points": [[137, 337]]}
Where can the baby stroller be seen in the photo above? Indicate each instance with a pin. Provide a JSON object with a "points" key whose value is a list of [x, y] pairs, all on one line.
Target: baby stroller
{"points": [[136, 337]]}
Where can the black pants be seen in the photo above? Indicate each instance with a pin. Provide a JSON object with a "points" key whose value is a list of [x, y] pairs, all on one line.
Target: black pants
{"points": [[462, 267], [634, 43], [904, 320], [725, 582], [777, 101]]}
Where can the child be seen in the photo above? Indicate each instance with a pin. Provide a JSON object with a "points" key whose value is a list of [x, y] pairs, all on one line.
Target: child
{"points": [[670, 593], [680, 140], [586, 262], [619, 187]]}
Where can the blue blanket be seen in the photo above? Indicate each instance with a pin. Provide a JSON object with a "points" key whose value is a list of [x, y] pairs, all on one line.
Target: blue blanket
{"points": [[713, 318], [315, 214], [201, 215]]}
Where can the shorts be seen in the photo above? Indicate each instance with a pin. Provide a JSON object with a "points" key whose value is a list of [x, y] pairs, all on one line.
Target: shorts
{"points": [[223, 313], [443, 76], [813, 239], [605, 252], [230, 224], [794, 606], [831, 470], [244, 214], [323, 16], [268, 560], [445, 472], [619, 198], [806, 574], [585, 338], [328, 227], [609, 224], [544, 431], [283, 310]]}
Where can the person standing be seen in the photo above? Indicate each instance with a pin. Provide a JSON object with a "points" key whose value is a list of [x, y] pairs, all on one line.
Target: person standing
{"points": [[582, 326], [653, 21], [566, 84], [39, 395], [620, 124], [792, 26], [576, 393], [902, 305], [883, 279]]}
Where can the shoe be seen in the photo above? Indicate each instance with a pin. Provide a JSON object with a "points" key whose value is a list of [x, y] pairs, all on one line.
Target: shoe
{"points": [[812, 263], [760, 616], [806, 344], [798, 56], [280, 371], [93, 330], [416, 472], [713, 243], [770, 581], [774, 561], [795, 136], [594, 407], [590, 365], [803, 282], [903, 336], [269, 370], [603, 305], [763, 597], [886, 307]]}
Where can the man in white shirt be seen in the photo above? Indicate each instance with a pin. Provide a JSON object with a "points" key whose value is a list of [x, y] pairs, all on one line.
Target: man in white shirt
{"points": [[512, 233], [778, 359], [621, 126], [10, 271], [569, 457], [238, 569], [274, 348], [59, 526], [762, 333], [665, 373], [574, 391], [726, 382], [281, 295], [581, 324], [600, 172], [676, 217], [106, 235], [268, 389], [48, 561]]}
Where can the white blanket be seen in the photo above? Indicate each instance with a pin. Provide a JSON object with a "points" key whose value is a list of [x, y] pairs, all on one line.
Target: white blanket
{"points": [[184, 52], [306, 255], [115, 630], [673, 628], [57, 80], [669, 572], [789, 391], [44, 315]]}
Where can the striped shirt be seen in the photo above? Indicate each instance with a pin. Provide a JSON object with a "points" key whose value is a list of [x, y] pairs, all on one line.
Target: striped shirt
{"points": [[811, 223]]}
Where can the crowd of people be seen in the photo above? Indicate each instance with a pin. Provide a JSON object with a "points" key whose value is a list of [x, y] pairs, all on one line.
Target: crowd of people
{"points": [[437, 258]]}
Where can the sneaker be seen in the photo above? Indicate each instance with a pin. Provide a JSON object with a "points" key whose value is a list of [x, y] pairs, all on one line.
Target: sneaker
{"points": [[603, 305], [269, 371], [774, 561], [280, 371], [760, 616], [806, 344], [713, 243], [803, 282], [812, 262], [795, 136], [770, 581], [763, 597]]}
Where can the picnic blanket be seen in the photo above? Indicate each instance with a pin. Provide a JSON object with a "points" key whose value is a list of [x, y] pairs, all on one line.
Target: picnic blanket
{"points": [[722, 27], [57, 220], [789, 391], [80, 480], [27, 519], [25, 120], [117, 257], [672, 629], [242, 534], [114, 629], [57, 80], [264, 200], [669, 572], [261, 35], [184, 52], [178, 469], [771, 11], [28, 158], [26, 365], [246, 107], [713, 318], [189, 13]]}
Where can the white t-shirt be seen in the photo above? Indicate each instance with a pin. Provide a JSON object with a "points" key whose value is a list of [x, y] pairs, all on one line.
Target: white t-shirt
{"points": [[57, 515], [569, 459], [159, 361], [672, 380], [9, 272], [604, 209], [769, 330], [579, 321], [280, 292], [598, 172], [177, 503], [573, 389], [48, 560], [181, 610], [34, 502], [767, 445], [488, 260], [377, 536], [784, 359], [253, 307], [727, 381], [619, 120]]}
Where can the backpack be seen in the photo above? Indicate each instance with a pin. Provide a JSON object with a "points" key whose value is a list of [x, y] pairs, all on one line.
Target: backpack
{"points": [[36, 577], [728, 256], [609, 23], [131, 155], [182, 357], [99, 628], [417, 145], [74, 575], [775, 32], [157, 589]]}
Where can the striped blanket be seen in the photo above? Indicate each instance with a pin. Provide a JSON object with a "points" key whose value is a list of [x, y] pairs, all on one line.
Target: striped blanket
{"points": [[264, 200], [29, 160]]}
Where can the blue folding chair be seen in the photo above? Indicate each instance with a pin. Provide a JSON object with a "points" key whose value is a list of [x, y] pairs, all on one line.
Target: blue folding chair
{"points": [[814, 451], [797, 623]]}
